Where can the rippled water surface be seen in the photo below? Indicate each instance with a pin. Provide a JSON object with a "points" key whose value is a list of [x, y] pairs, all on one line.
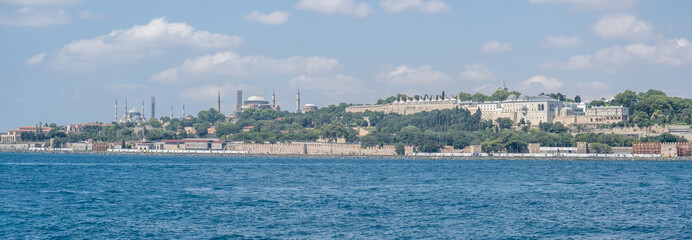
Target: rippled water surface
{"points": [[92, 196]]}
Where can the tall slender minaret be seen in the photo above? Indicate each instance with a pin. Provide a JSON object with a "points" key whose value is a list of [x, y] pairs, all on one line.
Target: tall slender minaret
{"points": [[298, 101], [171, 112], [239, 104], [183, 110], [153, 107], [218, 101], [143, 110], [273, 98], [127, 116], [116, 110]]}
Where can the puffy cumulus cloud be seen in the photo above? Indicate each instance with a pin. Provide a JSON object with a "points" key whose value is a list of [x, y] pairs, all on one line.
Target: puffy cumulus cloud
{"points": [[562, 41], [36, 17], [141, 41], [273, 18], [207, 92], [542, 82], [495, 47], [625, 26], [232, 64], [404, 75], [674, 52], [333, 85], [396, 6], [477, 72], [35, 59], [592, 4], [336, 7], [40, 2]]}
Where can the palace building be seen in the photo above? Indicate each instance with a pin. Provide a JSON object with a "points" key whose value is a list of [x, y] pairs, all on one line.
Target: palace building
{"points": [[533, 110]]}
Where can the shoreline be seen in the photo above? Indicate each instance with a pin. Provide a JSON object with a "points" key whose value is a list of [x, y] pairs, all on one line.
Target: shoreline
{"points": [[396, 157]]}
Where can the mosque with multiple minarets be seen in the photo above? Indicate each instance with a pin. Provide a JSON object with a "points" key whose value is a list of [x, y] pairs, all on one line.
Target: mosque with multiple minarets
{"points": [[253, 102]]}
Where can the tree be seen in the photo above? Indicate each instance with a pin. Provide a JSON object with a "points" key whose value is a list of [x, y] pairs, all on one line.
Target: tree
{"points": [[597, 103], [600, 148], [201, 128], [429, 146], [399, 149], [504, 123], [516, 146], [577, 99]]}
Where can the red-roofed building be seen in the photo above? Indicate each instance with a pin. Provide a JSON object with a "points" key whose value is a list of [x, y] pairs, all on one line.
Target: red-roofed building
{"points": [[14, 135]]}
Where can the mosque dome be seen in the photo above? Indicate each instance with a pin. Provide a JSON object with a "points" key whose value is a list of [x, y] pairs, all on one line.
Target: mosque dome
{"points": [[512, 97], [310, 105], [256, 98], [523, 97]]}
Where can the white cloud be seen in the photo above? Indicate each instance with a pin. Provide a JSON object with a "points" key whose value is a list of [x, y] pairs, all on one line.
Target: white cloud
{"points": [[624, 26], [141, 41], [336, 7], [40, 2], [91, 16], [207, 92], [168, 75], [592, 4], [477, 72], [496, 47], [396, 6], [673, 52], [232, 64], [542, 82], [562, 41], [35, 59], [404, 75], [335, 85], [273, 18], [487, 88], [36, 17]]}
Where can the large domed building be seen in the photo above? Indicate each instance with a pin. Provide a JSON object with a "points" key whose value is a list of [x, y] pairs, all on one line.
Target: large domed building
{"points": [[258, 102], [309, 107]]}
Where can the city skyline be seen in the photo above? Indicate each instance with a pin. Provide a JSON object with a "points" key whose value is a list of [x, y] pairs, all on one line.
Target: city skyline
{"points": [[68, 59]]}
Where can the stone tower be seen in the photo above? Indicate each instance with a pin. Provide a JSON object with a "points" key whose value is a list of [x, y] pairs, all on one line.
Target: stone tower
{"points": [[153, 107], [116, 110], [218, 101], [298, 101]]}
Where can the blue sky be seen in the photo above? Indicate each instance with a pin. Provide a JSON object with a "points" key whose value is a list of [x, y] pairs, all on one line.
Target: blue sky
{"points": [[66, 61]]}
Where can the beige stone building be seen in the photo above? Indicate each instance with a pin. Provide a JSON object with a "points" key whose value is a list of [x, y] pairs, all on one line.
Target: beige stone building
{"points": [[533, 110]]}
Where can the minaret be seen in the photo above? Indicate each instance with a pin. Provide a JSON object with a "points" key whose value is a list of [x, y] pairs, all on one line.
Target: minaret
{"points": [[143, 110], [127, 116], [503, 86], [116, 110], [273, 99], [183, 110], [239, 104], [153, 107], [298, 101], [218, 101], [171, 112]]}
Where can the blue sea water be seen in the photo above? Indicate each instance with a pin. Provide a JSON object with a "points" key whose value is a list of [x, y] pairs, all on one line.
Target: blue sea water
{"points": [[162, 197]]}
